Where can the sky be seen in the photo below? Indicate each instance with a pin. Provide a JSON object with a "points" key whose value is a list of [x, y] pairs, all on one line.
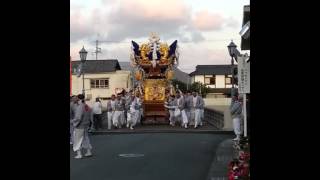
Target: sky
{"points": [[203, 28]]}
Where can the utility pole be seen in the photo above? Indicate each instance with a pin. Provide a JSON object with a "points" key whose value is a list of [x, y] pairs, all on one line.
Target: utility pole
{"points": [[98, 50]]}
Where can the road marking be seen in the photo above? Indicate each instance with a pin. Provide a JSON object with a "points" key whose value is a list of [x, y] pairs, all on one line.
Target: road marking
{"points": [[130, 155]]}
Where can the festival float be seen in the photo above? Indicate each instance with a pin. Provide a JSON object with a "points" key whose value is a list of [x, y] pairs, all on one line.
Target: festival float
{"points": [[153, 64]]}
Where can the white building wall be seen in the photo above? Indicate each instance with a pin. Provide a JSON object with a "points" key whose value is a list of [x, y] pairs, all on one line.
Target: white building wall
{"points": [[199, 78], [118, 79], [220, 81]]}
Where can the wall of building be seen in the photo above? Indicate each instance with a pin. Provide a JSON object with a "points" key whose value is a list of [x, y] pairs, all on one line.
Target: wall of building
{"points": [[118, 79], [220, 81], [199, 78]]}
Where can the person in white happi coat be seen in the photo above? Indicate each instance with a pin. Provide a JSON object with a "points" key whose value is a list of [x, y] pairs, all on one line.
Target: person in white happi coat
{"points": [[236, 113], [123, 119], [134, 114], [188, 107], [196, 105], [119, 108], [81, 122], [127, 98], [181, 106], [97, 114], [110, 110], [170, 105]]}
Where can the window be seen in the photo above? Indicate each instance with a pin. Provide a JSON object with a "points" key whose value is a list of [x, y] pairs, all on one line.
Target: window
{"points": [[99, 83], [228, 79], [210, 80]]}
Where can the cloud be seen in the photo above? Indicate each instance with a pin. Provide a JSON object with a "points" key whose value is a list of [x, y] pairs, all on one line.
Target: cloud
{"points": [[79, 27], [206, 21], [118, 20], [196, 36], [125, 20], [233, 23], [136, 19]]}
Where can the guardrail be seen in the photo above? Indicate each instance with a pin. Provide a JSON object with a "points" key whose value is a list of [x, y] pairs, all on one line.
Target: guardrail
{"points": [[214, 117]]}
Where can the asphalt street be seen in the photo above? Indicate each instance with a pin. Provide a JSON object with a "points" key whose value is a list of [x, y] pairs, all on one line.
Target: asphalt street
{"points": [[150, 156]]}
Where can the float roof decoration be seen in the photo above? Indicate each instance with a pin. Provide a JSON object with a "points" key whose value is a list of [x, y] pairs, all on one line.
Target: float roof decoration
{"points": [[154, 53]]}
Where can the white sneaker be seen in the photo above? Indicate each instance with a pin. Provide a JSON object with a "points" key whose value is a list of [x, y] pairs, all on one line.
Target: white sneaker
{"points": [[131, 128], [236, 139], [88, 153], [186, 126], [195, 127], [127, 125], [79, 155]]}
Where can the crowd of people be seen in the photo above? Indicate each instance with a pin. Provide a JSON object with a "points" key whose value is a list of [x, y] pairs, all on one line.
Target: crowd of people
{"points": [[185, 109], [125, 109]]}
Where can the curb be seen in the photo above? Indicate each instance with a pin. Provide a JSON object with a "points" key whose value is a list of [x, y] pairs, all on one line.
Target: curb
{"points": [[141, 131], [219, 166]]}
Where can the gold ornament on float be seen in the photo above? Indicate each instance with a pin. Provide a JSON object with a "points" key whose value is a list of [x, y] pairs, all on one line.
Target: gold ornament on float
{"points": [[169, 74], [144, 49], [138, 75]]}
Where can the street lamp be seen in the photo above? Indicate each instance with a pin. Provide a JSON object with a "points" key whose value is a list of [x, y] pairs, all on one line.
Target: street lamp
{"points": [[83, 56], [232, 52]]}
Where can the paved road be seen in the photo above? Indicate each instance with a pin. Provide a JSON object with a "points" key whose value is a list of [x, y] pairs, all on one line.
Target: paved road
{"points": [[166, 156]]}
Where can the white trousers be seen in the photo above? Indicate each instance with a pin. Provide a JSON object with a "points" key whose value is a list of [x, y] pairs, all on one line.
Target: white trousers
{"points": [[197, 117], [188, 113], [110, 115], [138, 115], [184, 117], [116, 118], [237, 126], [81, 139], [171, 118], [191, 116], [122, 118], [132, 118], [129, 118]]}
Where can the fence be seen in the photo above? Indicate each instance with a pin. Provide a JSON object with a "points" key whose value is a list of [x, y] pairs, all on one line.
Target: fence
{"points": [[214, 117]]}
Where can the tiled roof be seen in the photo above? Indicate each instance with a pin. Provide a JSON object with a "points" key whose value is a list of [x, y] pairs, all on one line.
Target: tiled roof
{"points": [[97, 66]]}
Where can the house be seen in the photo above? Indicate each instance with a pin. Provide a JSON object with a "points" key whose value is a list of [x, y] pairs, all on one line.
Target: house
{"points": [[101, 78], [216, 77]]}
